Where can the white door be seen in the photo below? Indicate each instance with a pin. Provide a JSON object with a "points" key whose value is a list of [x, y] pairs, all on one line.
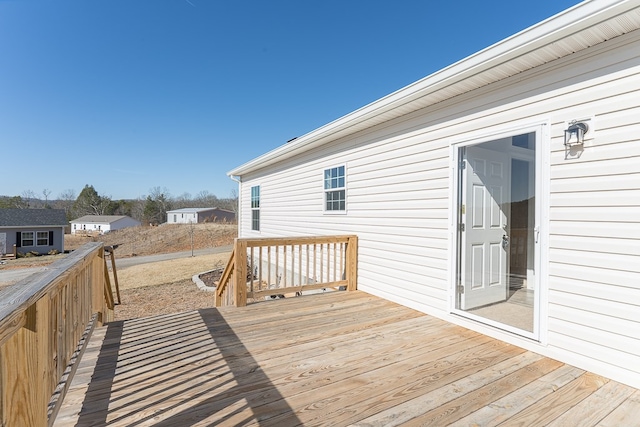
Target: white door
{"points": [[3, 243], [484, 227]]}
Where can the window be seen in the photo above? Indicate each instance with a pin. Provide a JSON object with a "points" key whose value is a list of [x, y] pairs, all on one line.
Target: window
{"points": [[43, 238], [27, 238], [255, 208], [334, 189]]}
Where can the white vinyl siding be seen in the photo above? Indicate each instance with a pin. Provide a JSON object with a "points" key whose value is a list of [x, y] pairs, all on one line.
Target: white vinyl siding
{"points": [[399, 201]]}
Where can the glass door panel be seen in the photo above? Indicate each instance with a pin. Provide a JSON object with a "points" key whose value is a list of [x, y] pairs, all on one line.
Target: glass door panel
{"points": [[496, 222]]}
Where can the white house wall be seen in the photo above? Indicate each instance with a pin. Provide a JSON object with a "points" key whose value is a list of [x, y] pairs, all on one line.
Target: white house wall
{"points": [[398, 176], [182, 217]]}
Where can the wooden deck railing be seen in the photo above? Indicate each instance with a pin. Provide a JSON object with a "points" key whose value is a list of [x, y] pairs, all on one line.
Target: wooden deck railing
{"points": [[266, 267], [42, 320]]}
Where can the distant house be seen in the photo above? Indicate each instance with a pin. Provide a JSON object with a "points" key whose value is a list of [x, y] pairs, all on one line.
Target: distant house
{"points": [[101, 224], [32, 230], [199, 215]]}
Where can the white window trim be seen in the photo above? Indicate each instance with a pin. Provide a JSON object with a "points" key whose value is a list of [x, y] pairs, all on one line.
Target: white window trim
{"points": [[324, 191]]}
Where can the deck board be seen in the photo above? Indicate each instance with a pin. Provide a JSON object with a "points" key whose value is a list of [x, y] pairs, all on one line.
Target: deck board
{"points": [[343, 358]]}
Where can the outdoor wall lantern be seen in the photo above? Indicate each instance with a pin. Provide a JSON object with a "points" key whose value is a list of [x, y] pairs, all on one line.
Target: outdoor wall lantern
{"points": [[574, 134]]}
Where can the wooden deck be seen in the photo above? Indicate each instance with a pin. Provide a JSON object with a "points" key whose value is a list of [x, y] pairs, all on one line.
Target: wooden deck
{"points": [[345, 358]]}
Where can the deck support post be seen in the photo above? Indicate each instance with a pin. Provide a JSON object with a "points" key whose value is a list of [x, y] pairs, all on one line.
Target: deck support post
{"points": [[240, 249], [352, 263]]}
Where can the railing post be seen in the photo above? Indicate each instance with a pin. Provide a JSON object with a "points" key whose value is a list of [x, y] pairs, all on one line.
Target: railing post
{"points": [[241, 273], [352, 263], [217, 299], [23, 374]]}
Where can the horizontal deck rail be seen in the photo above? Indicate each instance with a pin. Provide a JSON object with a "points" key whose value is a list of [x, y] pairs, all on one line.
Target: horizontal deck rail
{"points": [[42, 320], [271, 267]]}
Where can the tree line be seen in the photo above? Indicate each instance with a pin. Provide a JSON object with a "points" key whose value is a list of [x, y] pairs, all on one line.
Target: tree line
{"points": [[147, 209]]}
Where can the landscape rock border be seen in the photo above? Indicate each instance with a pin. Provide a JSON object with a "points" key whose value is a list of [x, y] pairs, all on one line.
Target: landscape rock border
{"points": [[201, 284]]}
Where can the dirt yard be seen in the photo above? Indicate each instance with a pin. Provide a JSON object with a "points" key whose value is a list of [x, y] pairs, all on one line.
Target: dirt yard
{"points": [[161, 287], [166, 238]]}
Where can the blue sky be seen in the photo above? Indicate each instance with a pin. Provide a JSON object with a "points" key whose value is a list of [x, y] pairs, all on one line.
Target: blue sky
{"points": [[129, 95]]}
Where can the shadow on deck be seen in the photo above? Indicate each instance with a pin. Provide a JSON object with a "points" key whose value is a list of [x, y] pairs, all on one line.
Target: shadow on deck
{"points": [[343, 358]]}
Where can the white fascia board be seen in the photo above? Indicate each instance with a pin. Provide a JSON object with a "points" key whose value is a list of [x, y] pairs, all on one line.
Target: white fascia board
{"points": [[558, 27]]}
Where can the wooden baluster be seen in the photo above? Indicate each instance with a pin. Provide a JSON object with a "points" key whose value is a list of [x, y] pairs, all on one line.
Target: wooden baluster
{"points": [[277, 250], [268, 266], [300, 265], [306, 280], [284, 267], [341, 268], [328, 261], [251, 271], [293, 265], [260, 264], [321, 261], [335, 266]]}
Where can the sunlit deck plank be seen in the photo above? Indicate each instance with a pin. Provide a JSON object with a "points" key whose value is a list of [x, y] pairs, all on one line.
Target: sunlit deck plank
{"points": [[334, 359]]}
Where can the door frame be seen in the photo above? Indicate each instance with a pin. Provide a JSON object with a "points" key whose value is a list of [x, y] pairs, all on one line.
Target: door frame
{"points": [[542, 162]]}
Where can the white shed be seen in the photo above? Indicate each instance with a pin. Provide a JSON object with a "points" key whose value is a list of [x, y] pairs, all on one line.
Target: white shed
{"points": [[101, 224], [199, 215], [501, 193]]}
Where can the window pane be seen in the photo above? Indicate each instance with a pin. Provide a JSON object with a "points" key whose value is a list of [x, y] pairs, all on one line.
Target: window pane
{"points": [[334, 179], [335, 200], [27, 238], [255, 196], [255, 220], [43, 238]]}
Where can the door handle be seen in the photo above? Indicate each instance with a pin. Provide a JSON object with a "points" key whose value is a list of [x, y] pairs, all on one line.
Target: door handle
{"points": [[505, 240]]}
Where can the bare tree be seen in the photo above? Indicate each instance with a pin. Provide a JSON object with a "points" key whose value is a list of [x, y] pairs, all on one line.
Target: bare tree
{"points": [[183, 201], [137, 209], [65, 201], [29, 197], [234, 200], [46, 192], [68, 195], [206, 199]]}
